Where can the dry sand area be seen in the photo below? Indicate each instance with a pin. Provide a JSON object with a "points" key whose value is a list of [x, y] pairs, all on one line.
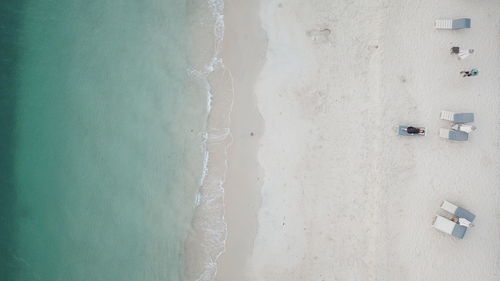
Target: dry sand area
{"points": [[342, 196]]}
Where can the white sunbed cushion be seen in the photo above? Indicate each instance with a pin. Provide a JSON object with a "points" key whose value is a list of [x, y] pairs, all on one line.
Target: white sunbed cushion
{"points": [[447, 115], [449, 207], [443, 224], [443, 24], [444, 133]]}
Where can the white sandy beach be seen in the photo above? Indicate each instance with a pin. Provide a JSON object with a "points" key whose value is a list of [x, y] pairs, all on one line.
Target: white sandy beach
{"points": [[325, 189]]}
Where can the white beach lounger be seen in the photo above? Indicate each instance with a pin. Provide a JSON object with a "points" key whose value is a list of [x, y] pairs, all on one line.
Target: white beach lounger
{"points": [[452, 23], [453, 135], [457, 211], [457, 117], [447, 226]]}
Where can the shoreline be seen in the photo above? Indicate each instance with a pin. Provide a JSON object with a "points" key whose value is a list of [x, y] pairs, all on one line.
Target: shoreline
{"points": [[243, 53], [205, 241]]}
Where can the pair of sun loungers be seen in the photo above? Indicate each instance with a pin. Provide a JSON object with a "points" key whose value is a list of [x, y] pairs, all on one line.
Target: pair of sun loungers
{"points": [[459, 130], [450, 227]]}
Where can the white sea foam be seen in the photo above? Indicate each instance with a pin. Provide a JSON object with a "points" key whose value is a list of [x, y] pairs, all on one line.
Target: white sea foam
{"points": [[209, 229]]}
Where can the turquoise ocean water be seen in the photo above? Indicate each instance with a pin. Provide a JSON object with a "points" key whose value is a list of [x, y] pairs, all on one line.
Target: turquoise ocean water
{"points": [[100, 148]]}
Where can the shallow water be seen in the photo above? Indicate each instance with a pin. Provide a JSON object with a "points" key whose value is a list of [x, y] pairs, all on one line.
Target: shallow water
{"points": [[101, 157]]}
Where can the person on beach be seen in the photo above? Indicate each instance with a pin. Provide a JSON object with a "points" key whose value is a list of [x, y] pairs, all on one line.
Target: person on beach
{"points": [[472, 72], [461, 53], [462, 221], [465, 222], [413, 130]]}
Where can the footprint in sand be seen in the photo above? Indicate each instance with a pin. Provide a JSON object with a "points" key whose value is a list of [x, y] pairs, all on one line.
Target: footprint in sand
{"points": [[319, 35]]}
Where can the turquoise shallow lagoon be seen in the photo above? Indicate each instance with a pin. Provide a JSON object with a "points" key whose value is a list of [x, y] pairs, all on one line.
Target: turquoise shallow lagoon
{"points": [[100, 149]]}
